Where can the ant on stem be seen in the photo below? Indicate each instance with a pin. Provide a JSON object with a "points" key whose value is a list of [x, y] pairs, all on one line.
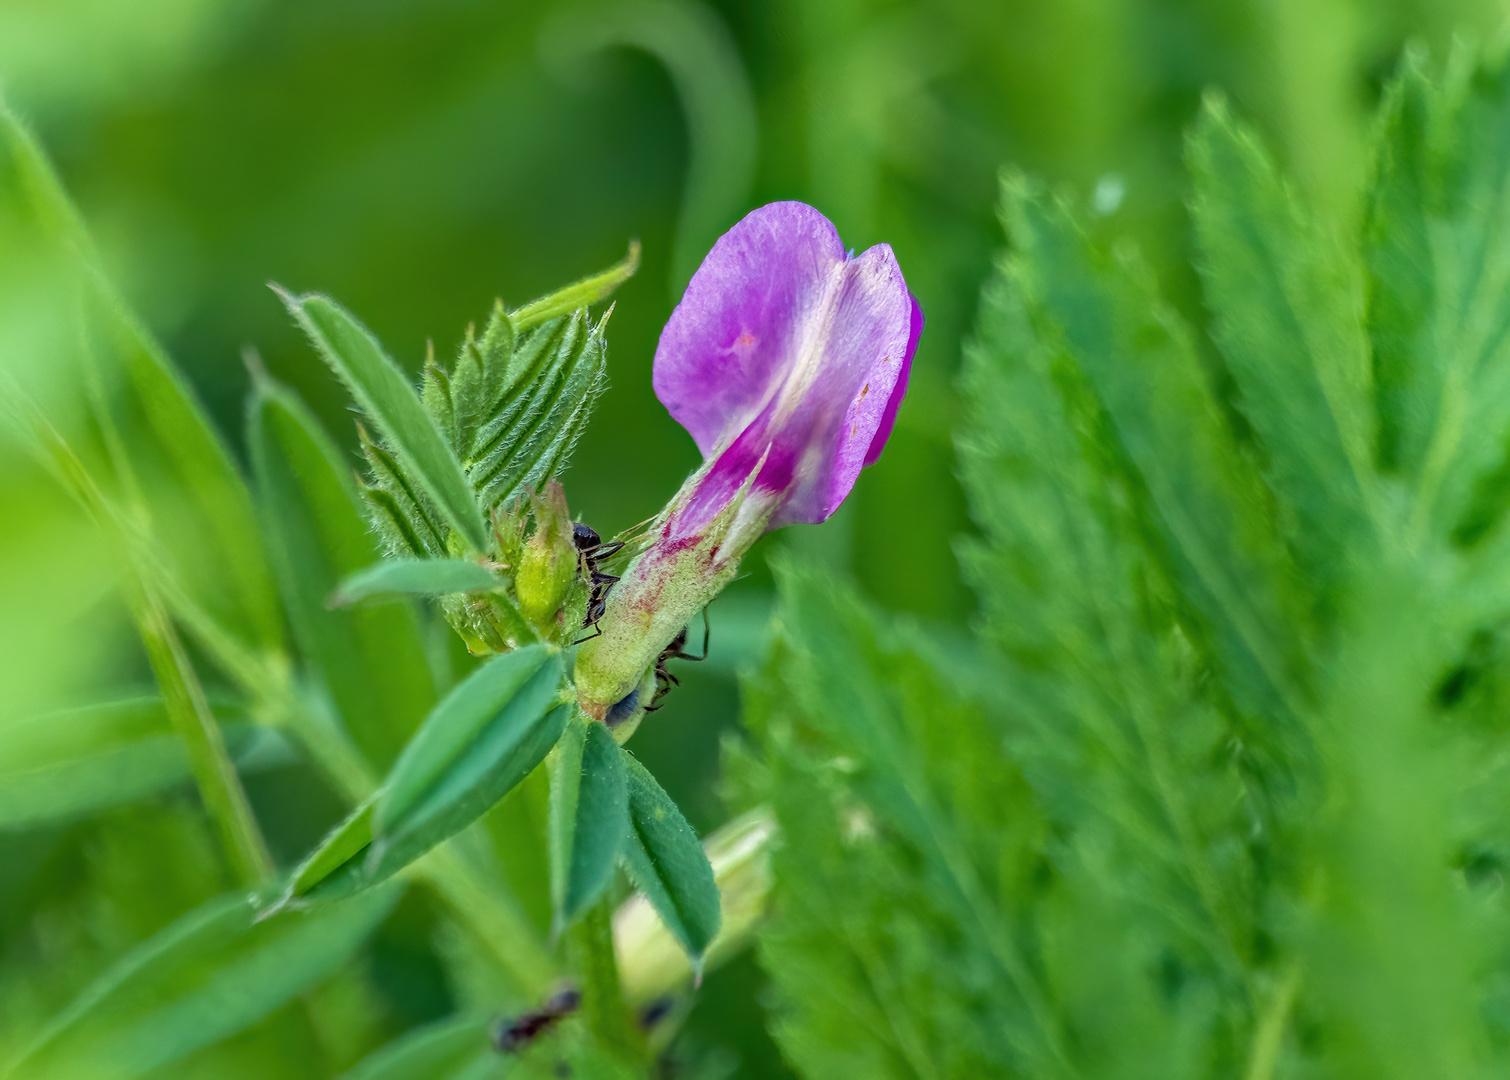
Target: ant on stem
{"points": [[590, 549], [514, 1035], [677, 650]]}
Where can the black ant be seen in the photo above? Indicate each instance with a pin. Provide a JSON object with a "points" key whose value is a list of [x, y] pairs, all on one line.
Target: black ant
{"points": [[512, 1036], [677, 650], [591, 548]]}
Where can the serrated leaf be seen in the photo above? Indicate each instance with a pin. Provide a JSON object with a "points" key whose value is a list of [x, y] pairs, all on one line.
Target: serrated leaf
{"points": [[66, 764], [372, 659], [589, 806], [456, 1048], [386, 395], [211, 974], [1288, 298], [1139, 359], [415, 577], [1437, 247], [668, 864]]}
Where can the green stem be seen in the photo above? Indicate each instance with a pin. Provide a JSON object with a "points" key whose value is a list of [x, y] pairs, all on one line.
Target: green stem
{"points": [[494, 916], [603, 1007], [219, 785]]}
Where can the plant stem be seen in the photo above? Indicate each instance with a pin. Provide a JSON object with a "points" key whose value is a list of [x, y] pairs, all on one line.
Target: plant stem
{"points": [[215, 775], [603, 1007]]}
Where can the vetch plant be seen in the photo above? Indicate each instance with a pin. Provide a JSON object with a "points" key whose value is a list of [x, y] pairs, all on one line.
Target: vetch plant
{"points": [[1215, 784]]}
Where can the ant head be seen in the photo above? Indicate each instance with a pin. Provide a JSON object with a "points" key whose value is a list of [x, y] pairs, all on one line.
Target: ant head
{"points": [[679, 642], [585, 536]]}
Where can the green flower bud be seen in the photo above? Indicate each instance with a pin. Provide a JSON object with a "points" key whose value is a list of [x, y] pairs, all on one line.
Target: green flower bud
{"points": [[548, 562]]}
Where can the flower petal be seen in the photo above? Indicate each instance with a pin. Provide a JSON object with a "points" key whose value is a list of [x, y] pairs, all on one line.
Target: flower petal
{"points": [[899, 391], [732, 335], [786, 350]]}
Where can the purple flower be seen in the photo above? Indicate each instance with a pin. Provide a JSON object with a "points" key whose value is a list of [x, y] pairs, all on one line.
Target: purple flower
{"points": [[788, 354], [786, 361]]}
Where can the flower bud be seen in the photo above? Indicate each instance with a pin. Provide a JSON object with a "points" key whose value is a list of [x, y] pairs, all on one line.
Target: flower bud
{"points": [[548, 561]]}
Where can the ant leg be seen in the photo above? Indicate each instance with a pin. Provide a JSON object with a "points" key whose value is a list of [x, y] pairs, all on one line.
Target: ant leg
{"points": [[597, 632], [682, 654]]}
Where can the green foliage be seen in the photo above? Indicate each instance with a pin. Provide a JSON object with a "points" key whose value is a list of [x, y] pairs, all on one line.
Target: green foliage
{"points": [[476, 745], [1210, 792], [62, 765], [371, 660], [668, 864], [384, 393], [453, 1049], [414, 577], [210, 975], [589, 813]]}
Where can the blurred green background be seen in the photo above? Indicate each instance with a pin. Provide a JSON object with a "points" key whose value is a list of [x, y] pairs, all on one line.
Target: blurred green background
{"points": [[415, 160]]}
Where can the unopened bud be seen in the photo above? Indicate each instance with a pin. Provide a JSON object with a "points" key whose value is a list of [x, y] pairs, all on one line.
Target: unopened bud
{"points": [[548, 563]]}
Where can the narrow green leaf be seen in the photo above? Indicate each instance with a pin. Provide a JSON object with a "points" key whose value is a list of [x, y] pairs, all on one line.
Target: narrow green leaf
{"points": [[162, 456], [485, 737], [415, 577], [668, 863], [211, 974], [385, 394], [70, 763], [494, 707], [322, 869], [456, 1048], [581, 294], [371, 659], [589, 804]]}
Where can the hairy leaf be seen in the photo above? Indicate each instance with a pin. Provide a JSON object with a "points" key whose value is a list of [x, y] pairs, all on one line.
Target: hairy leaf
{"points": [[668, 864], [385, 394], [589, 806], [414, 577]]}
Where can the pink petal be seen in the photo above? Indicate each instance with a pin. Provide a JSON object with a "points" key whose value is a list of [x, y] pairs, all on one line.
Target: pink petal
{"points": [[786, 349]]}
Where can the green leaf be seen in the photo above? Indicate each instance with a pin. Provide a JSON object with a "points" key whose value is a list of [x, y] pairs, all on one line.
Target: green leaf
{"points": [[213, 973], [908, 853], [457, 1048], [1288, 298], [79, 761], [415, 577], [335, 869], [531, 431], [581, 294], [160, 453], [385, 394], [668, 864], [589, 807], [491, 714], [482, 739], [1207, 501], [372, 659], [1435, 243]]}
